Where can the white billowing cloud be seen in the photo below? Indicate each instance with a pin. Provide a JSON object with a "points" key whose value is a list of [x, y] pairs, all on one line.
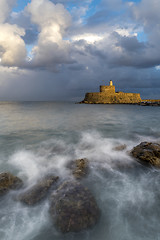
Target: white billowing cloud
{"points": [[52, 20], [44, 12], [5, 8], [88, 37], [126, 32], [12, 46]]}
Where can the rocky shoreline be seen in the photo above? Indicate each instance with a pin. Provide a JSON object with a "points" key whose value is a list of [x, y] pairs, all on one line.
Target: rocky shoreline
{"points": [[72, 206], [154, 104]]}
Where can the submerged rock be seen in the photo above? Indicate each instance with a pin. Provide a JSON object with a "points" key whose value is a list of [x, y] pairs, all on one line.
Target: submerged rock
{"points": [[120, 147], [73, 208], [147, 152], [79, 168], [9, 182], [38, 192]]}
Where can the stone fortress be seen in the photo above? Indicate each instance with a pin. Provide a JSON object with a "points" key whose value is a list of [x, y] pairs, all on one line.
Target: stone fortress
{"points": [[108, 95]]}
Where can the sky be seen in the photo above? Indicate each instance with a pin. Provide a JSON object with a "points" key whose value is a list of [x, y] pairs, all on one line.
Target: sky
{"points": [[57, 50]]}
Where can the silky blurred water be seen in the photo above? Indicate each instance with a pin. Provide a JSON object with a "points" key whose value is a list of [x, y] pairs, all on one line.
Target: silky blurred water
{"points": [[37, 138]]}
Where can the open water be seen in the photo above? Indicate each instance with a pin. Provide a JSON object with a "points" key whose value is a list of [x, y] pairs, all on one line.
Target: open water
{"points": [[40, 138]]}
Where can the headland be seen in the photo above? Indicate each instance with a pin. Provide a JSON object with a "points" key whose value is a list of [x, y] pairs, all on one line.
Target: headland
{"points": [[108, 95]]}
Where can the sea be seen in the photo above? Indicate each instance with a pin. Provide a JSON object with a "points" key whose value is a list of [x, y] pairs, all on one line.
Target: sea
{"points": [[40, 138]]}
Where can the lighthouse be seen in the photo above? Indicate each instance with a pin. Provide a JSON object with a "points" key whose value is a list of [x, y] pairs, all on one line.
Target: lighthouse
{"points": [[110, 83]]}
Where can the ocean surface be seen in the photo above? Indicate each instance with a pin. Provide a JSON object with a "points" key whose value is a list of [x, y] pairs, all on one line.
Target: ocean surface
{"points": [[37, 138]]}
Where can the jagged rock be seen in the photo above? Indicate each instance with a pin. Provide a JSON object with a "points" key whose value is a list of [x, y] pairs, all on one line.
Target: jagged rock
{"points": [[79, 167], [73, 208], [38, 192], [147, 152], [120, 147], [9, 182]]}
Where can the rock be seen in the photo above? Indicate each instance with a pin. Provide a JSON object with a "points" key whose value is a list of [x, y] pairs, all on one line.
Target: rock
{"points": [[147, 152], [79, 168], [120, 147], [9, 182], [73, 208], [38, 192], [150, 103]]}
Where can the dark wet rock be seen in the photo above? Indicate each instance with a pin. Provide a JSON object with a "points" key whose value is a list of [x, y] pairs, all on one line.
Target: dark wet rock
{"points": [[120, 147], [38, 192], [79, 167], [73, 208], [9, 182], [147, 152]]}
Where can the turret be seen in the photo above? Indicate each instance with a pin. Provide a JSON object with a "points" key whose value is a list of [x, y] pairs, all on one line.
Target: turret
{"points": [[109, 90]]}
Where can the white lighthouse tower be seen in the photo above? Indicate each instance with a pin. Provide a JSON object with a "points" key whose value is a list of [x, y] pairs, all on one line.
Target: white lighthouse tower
{"points": [[110, 83]]}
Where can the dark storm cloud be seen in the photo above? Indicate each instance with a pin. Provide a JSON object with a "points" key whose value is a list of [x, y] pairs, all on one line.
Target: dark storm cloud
{"points": [[94, 51], [120, 51], [77, 67], [42, 85], [133, 54], [130, 44]]}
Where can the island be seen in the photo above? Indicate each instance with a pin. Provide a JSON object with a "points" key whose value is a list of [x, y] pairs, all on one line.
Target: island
{"points": [[108, 95]]}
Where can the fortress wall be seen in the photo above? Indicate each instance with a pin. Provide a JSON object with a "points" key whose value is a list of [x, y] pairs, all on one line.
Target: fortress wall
{"points": [[128, 97], [104, 97], [94, 97]]}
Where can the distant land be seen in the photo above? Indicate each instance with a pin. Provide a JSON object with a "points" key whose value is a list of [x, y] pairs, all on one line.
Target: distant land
{"points": [[108, 95]]}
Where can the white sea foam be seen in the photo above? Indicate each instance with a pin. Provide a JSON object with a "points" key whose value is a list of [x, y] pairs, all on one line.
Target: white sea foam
{"points": [[21, 222], [53, 156]]}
